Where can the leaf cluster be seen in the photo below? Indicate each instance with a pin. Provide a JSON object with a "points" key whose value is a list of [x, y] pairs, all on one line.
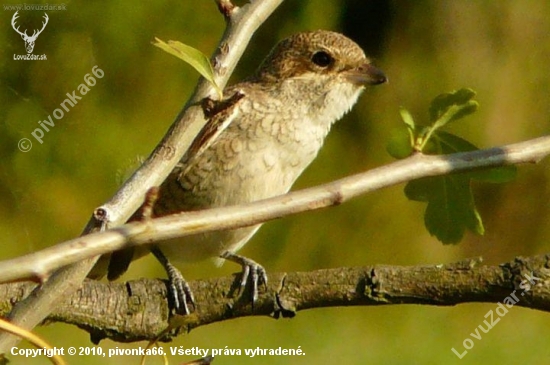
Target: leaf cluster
{"points": [[450, 206]]}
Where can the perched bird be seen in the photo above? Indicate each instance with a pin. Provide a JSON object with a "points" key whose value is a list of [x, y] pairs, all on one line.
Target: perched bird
{"points": [[257, 145]]}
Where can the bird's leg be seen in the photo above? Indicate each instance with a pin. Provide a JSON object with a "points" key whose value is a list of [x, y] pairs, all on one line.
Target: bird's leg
{"points": [[178, 290], [250, 270]]}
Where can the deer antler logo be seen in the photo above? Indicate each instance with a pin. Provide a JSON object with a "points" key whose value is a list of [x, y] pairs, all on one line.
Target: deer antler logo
{"points": [[29, 40]]}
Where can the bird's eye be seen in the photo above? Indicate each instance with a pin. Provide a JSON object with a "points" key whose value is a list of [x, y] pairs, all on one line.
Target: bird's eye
{"points": [[321, 59]]}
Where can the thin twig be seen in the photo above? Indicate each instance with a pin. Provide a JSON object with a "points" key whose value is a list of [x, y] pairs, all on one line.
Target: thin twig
{"points": [[38, 264]]}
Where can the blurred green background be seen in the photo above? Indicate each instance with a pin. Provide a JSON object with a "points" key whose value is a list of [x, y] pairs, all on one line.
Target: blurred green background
{"points": [[499, 48]]}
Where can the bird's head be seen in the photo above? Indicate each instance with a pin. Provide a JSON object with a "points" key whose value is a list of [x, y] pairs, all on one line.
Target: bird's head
{"points": [[321, 73], [319, 54]]}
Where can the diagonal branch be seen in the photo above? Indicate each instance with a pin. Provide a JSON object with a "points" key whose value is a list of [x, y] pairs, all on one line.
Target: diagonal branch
{"points": [[242, 22], [39, 265]]}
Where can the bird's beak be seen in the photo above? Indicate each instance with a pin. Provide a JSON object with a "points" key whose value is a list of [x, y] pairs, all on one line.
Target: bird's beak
{"points": [[366, 74]]}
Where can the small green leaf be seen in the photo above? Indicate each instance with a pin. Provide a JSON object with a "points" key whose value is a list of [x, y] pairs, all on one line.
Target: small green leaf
{"points": [[451, 143], [399, 144], [407, 118], [441, 104], [450, 210], [193, 57], [455, 112], [446, 108]]}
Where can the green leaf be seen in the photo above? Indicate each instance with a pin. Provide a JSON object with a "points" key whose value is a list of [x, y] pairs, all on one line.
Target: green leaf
{"points": [[451, 143], [450, 210], [407, 118], [446, 108], [451, 207], [399, 144], [193, 57], [459, 102]]}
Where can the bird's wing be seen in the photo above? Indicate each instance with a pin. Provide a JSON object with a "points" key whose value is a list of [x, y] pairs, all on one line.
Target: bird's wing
{"points": [[221, 115]]}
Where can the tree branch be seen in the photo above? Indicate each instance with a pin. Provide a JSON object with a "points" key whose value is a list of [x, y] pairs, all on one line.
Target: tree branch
{"points": [[138, 310], [38, 265], [241, 24]]}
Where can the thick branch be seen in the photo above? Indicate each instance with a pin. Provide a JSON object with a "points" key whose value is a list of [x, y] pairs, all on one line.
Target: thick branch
{"points": [[242, 23], [138, 310], [39, 264]]}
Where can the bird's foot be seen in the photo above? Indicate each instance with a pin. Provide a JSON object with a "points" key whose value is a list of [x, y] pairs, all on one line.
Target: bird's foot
{"points": [[179, 292], [251, 271]]}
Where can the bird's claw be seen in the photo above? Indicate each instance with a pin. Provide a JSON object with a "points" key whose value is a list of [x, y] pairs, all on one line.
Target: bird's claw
{"points": [[180, 293], [251, 272]]}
